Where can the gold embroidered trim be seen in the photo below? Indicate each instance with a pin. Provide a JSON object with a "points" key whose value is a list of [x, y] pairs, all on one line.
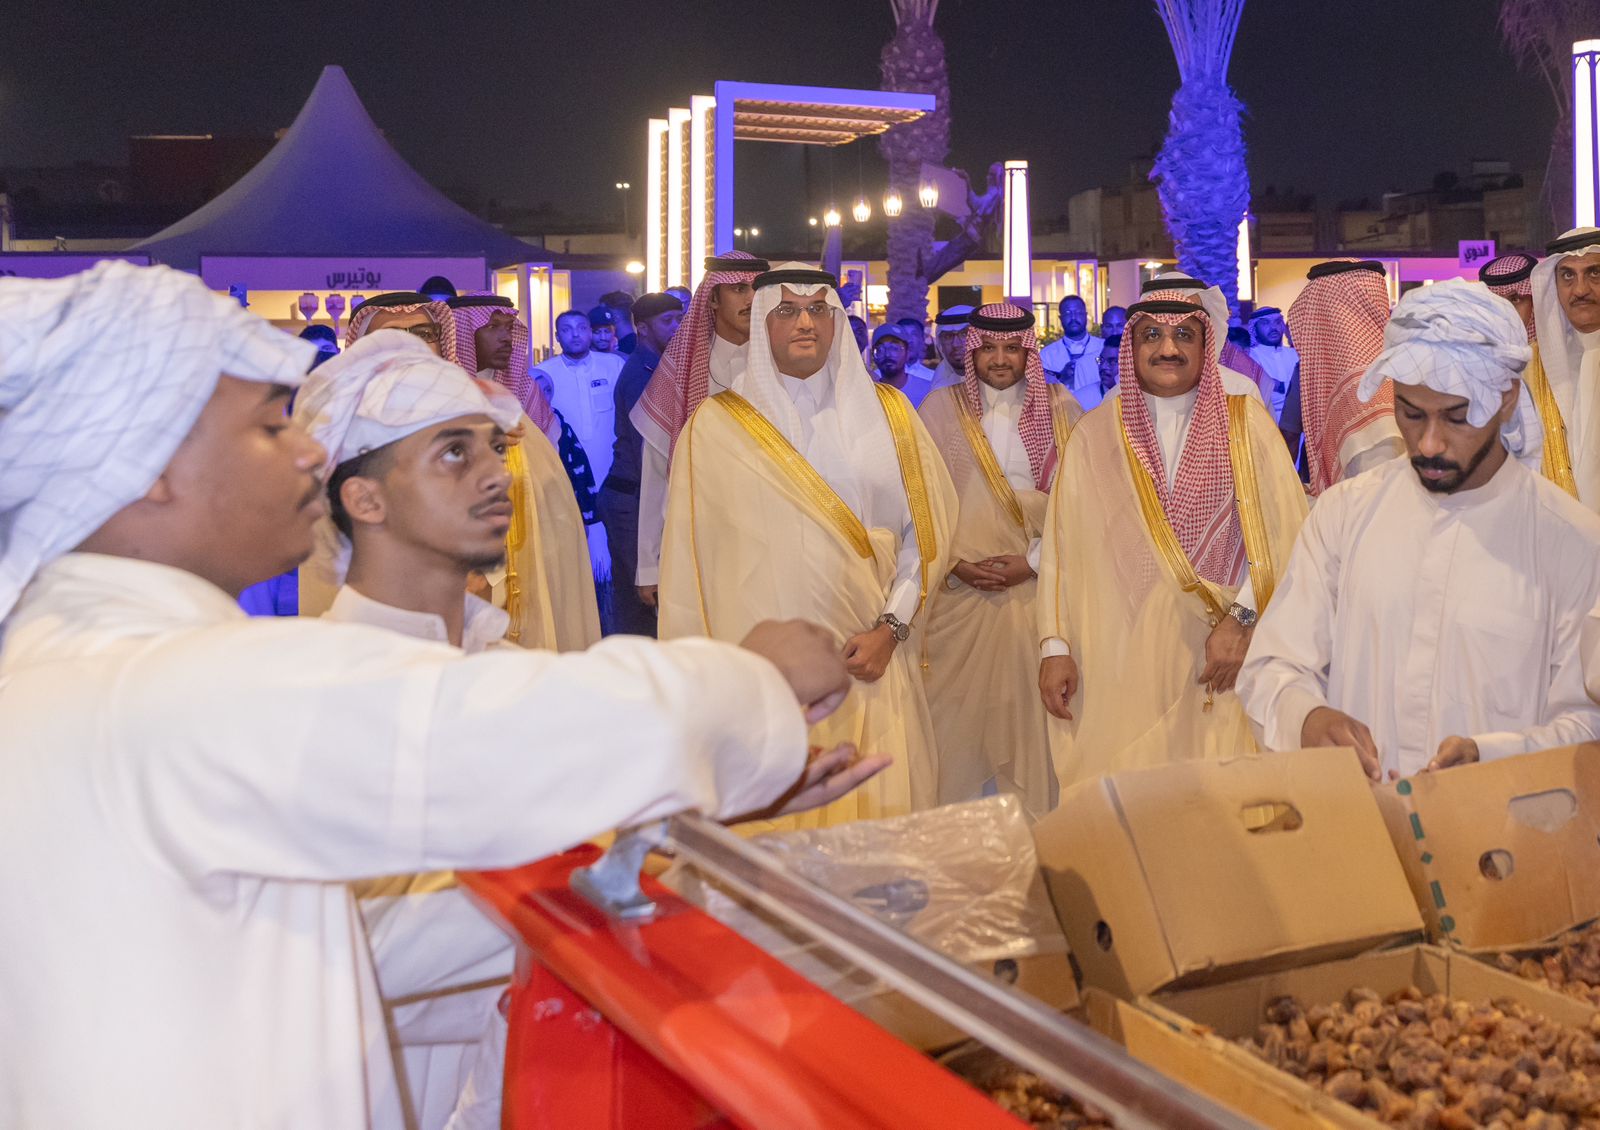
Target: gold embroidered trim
{"points": [[516, 537], [897, 410], [1557, 465], [978, 440], [1161, 532], [803, 474], [1247, 503]]}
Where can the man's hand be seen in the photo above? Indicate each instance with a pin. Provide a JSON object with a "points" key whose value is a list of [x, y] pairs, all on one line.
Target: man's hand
{"points": [[1326, 726], [867, 655], [807, 656], [1453, 751], [828, 776], [1225, 651], [979, 576], [1058, 682], [647, 595], [599, 553], [1012, 568]]}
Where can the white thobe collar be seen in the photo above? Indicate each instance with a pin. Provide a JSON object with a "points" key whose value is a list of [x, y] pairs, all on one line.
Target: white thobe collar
{"points": [[810, 394], [993, 397], [483, 625], [1171, 416], [724, 361]]}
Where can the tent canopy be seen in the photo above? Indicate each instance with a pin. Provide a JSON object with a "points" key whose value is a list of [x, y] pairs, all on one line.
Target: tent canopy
{"points": [[333, 186]]}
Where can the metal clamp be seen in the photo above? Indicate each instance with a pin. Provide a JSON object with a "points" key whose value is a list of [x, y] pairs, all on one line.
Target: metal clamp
{"points": [[612, 882]]}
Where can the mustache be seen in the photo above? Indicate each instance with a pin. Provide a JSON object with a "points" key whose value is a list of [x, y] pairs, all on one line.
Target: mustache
{"points": [[1433, 463], [488, 504]]}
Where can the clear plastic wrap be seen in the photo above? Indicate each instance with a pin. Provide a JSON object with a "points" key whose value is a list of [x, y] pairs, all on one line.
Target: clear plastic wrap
{"points": [[963, 879]]}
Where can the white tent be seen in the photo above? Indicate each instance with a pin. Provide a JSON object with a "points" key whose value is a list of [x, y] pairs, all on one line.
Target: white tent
{"points": [[333, 187]]}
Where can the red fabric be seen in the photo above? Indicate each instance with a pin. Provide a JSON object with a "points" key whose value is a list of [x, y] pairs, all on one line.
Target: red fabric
{"points": [[683, 377], [1199, 505], [1337, 325], [1238, 359], [1036, 426], [459, 328]]}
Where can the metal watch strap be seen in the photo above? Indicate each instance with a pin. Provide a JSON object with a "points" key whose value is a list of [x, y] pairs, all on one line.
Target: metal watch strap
{"points": [[901, 630]]}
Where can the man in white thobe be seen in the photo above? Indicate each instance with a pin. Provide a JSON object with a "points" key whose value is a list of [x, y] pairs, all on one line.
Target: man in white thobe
{"points": [[584, 382], [1074, 357], [950, 339], [1272, 353], [1566, 315], [706, 356], [1432, 608], [193, 790]]}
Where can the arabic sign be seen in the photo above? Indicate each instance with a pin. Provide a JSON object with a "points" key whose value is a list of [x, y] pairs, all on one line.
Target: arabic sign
{"points": [[1474, 253], [357, 274], [54, 265]]}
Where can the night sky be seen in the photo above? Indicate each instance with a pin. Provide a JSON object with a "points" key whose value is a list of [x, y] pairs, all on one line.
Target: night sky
{"points": [[546, 102]]}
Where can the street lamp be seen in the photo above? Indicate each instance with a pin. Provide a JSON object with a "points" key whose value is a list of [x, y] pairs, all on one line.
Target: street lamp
{"points": [[755, 233], [862, 211], [831, 217], [812, 220], [627, 196], [928, 194], [892, 203], [1017, 242], [1585, 124]]}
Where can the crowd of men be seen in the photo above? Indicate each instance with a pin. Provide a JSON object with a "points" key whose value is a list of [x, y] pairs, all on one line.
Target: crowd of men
{"points": [[878, 586]]}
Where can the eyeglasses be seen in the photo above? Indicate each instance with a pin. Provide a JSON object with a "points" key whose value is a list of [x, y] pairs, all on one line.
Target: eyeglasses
{"points": [[788, 311], [429, 333], [1183, 335]]}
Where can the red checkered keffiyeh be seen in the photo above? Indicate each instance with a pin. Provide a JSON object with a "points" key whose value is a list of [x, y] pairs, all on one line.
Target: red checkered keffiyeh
{"points": [[683, 377], [1237, 358], [1035, 425], [361, 317], [1337, 324], [1511, 276], [459, 326], [1199, 504]]}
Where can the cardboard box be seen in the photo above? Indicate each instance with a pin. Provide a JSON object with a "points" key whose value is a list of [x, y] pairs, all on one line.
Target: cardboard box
{"points": [[1213, 1017], [1503, 854], [1197, 872]]}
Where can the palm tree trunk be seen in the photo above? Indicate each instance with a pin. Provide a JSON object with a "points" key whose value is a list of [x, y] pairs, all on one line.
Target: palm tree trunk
{"points": [[1204, 183], [913, 61]]}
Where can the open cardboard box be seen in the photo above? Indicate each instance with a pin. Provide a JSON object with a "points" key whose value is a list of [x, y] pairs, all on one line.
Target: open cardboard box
{"points": [[1214, 1017], [1198, 872], [1502, 855]]}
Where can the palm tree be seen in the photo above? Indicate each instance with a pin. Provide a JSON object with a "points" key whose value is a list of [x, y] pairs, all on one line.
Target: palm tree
{"points": [[913, 61], [1201, 173], [1540, 35]]}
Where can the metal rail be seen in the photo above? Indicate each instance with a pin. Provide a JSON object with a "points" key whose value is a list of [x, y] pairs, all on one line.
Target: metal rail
{"points": [[1067, 1054]]}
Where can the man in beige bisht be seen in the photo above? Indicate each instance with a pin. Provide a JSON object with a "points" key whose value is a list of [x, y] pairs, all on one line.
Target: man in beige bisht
{"points": [[547, 584], [1001, 432], [807, 489], [1152, 574]]}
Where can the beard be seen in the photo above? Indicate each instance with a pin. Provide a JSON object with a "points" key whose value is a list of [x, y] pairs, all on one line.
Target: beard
{"points": [[1453, 483], [485, 562]]}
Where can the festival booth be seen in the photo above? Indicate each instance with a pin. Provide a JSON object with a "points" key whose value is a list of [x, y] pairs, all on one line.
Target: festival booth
{"points": [[333, 214]]}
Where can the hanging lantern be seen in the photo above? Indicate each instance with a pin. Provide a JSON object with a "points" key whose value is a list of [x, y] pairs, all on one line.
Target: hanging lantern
{"points": [[831, 217], [862, 211], [892, 204], [928, 194]]}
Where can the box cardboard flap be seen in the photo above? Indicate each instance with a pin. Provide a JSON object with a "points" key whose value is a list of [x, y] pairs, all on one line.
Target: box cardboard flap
{"points": [[1502, 854], [1196, 871]]}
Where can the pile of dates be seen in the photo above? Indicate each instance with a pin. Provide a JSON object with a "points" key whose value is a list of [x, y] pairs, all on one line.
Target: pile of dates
{"points": [[1572, 967], [1432, 1063], [1036, 1102]]}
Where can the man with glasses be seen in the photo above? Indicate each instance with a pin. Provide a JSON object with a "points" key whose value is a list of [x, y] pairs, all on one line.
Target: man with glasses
{"points": [[809, 490], [1174, 509]]}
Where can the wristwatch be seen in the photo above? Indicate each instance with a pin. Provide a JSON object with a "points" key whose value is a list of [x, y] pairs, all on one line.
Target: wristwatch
{"points": [[901, 630], [1245, 616]]}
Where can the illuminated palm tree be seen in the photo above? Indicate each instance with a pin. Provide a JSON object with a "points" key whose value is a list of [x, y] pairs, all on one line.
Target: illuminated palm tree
{"points": [[1201, 173], [913, 61], [1540, 35]]}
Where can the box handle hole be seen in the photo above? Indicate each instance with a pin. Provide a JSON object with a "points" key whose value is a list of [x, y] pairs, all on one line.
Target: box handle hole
{"points": [[1544, 811], [1102, 935], [1496, 864], [1271, 816]]}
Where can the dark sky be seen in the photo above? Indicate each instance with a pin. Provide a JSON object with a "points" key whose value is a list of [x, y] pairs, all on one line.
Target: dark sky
{"points": [[546, 102]]}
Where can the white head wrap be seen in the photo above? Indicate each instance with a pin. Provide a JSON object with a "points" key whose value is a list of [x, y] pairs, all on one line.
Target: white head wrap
{"points": [[1459, 338], [102, 375], [384, 387], [871, 484], [1560, 345]]}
